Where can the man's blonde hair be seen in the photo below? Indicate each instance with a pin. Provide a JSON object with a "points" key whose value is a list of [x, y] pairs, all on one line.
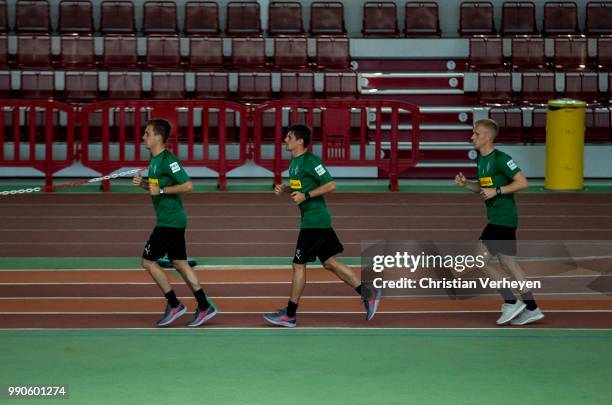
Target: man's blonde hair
{"points": [[488, 123]]}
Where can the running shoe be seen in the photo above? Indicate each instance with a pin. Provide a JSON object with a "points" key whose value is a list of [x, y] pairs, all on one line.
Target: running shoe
{"points": [[371, 302], [510, 311], [171, 314], [203, 316], [527, 317], [281, 318]]}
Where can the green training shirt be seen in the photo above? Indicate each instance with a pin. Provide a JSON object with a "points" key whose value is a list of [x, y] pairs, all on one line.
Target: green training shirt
{"points": [[166, 170], [306, 173], [496, 170]]}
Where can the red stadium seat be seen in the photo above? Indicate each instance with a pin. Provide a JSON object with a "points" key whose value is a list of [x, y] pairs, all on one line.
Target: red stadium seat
{"points": [[291, 53], [598, 18], [285, 18], [510, 122], [205, 52], [4, 57], [168, 85], [201, 18], [380, 18], [163, 52], [476, 18], [421, 19], [604, 52], [297, 85], [560, 18], [327, 18], [333, 53], [598, 125], [243, 18], [486, 53], [340, 85], [212, 85], [248, 52], [37, 85], [519, 18], [32, 16], [75, 17], [34, 51], [528, 52], [77, 51], [4, 26], [117, 17], [81, 86], [125, 85], [120, 51], [537, 88], [495, 88], [159, 17], [5, 84], [582, 86], [254, 86], [571, 52]]}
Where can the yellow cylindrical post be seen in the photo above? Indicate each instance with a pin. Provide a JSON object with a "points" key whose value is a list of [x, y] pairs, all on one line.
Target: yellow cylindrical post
{"points": [[565, 124]]}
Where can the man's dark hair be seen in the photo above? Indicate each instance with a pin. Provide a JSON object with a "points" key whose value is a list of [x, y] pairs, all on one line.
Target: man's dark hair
{"points": [[301, 131], [160, 127]]}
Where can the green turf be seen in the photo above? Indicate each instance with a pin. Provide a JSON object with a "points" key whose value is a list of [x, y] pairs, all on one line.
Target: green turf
{"points": [[314, 366], [28, 263]]}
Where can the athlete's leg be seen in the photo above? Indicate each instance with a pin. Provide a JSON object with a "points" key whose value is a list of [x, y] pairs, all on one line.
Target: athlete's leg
{"points": [[343, 272]]}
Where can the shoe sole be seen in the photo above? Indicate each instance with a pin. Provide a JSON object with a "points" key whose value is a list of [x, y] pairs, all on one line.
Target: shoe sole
{"points": [[201, 321], [279, 323], [529, 320], [512, 315], [376, 303], [174, 318]]}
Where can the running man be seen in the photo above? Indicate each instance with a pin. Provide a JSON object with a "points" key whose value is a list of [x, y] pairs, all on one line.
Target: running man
{"points": [[498, 179], [166, 182], [309, 182]]}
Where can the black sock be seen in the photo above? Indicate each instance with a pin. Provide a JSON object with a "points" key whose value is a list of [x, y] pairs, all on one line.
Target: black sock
{"points": [[172, 300], [358, 289], [291, 308], [203, 303], [529, 301], [507, 295]]}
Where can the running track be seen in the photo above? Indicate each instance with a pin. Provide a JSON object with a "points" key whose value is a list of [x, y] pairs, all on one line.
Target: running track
{"points": [[252, 224]]}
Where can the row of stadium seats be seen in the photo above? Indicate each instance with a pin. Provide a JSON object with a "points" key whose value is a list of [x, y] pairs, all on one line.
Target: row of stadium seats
{"points": [[164, 52], [289, 53], [285, 18], [92, 86], [531, 88]]}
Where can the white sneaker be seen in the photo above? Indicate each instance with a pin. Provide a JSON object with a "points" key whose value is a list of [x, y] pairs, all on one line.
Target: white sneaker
{"points": [[510, 311], [527, 317]]}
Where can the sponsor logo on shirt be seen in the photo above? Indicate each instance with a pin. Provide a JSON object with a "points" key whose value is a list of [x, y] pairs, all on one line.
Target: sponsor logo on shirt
{"points": [[320, 170], [486, 182], [174, 166], [511, 164], [153, 181], [295, 183]]}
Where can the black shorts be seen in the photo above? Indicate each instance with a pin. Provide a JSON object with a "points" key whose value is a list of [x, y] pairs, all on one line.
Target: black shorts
{"points": [[164, 241], [499, 239], [316, 242]]}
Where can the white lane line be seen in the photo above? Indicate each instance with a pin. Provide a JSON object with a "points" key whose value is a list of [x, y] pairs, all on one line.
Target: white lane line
{"points": [[243, 216], [292, 230], [581, 311], [313, 297], [140, 205]]}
